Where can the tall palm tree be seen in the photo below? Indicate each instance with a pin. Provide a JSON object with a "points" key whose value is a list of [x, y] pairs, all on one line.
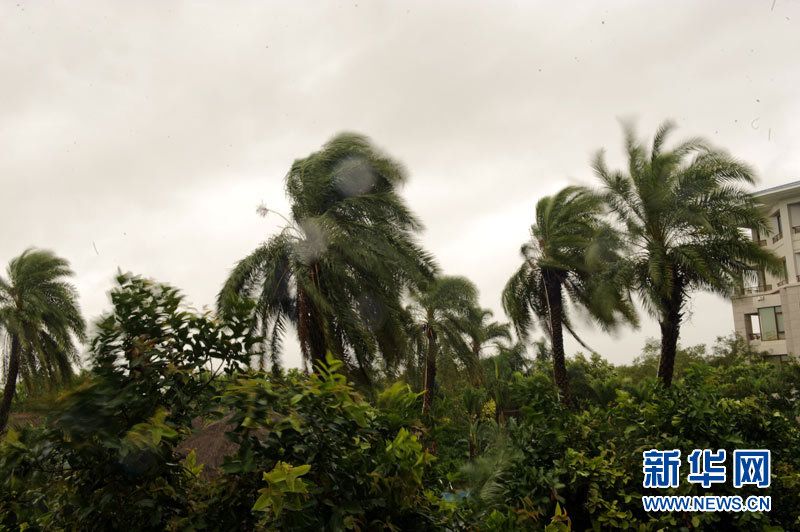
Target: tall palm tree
{"points": [[441, 320], [40, 316], [339, 269], [483, 333], [682, 210], [570, 253]]}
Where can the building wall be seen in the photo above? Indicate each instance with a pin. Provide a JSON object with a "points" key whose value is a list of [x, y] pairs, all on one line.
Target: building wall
{"points": [[749, 305], [784, 242], [790, 301]]}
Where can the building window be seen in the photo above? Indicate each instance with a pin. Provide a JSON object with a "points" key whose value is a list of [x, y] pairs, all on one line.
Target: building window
{"points": [[797, 263], [770, 321], [785, 275], [777, 226], [752, 327]]}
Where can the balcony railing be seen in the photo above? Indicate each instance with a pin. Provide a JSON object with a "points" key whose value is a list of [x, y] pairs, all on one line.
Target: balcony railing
{"points": [[762, 243], [777, 237], [753, 289], [754, 336], [783, 282], [795, 229]]}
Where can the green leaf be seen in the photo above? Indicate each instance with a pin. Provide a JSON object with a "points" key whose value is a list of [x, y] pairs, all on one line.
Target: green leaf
{"points": [[262, 503]]}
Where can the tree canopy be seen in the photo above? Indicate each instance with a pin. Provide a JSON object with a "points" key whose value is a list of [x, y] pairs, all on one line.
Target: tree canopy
{"points": [[681, 211], [39, 313], [340, 268]]}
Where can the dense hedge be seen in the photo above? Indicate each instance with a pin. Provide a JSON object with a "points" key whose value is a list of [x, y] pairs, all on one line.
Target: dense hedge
{"points": [[589, 462]]}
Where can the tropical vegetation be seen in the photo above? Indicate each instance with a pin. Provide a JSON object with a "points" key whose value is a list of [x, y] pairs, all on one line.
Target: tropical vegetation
{"points": [[440, 320], [572, 252], [681, 211], [40, 317], [415, 408], [342, 298]]}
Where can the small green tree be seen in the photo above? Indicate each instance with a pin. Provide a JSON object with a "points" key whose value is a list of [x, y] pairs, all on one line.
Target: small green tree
{"points": [[106, 457], [441, 320], [483, 333]]}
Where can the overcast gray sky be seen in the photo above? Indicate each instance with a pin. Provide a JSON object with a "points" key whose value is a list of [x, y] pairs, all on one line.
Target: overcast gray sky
{"points": [[152, 130]]}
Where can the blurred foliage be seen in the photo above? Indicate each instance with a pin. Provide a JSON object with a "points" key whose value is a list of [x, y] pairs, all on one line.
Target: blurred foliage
{"points": [[363, 466], [588, 463], [308, 452], [105, 456]]}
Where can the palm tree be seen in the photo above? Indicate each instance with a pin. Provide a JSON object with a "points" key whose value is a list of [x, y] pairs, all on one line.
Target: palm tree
{"points": [[441, 319], [570, 251], [339, 269], [485, 333], [40, 316], [681, 210], [498, 373]]}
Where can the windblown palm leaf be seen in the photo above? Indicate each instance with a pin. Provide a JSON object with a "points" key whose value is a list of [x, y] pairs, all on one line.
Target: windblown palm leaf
{"points": [[682, 211], [338, 272], [40, 317], [441, 315], [571, 253], [484, 333]]}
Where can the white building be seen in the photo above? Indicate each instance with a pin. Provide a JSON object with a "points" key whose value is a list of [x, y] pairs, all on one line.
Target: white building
{"points": [[767, 310]]}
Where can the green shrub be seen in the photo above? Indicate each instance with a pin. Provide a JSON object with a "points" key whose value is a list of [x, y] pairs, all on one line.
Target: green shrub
{"points": [[362, 466], [308, 452], [590, 462], [105, 459]]}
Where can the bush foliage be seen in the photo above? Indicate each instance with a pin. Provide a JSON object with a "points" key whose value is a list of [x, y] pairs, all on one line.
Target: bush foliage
{"points": [[309, 452]]}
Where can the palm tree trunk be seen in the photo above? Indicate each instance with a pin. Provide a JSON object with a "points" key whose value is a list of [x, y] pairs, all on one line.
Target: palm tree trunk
{"points": [[11, 381], [309, 331], [474, 372], [317, 345], [670, 330], [552, 288], [430, 372], [473, 440]]}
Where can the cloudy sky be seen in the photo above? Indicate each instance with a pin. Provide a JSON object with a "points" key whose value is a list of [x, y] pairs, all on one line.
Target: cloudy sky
{"points": [[143, 135]]}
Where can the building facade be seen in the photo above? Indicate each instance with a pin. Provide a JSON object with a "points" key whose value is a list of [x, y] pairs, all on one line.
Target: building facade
{"points": [[766, 309]]}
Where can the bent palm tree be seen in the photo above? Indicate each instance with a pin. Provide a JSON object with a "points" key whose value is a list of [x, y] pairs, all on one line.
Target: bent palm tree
{"points": [[569, 253], [682, 211], [441, 319], [338, 271], [39, 314]]}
